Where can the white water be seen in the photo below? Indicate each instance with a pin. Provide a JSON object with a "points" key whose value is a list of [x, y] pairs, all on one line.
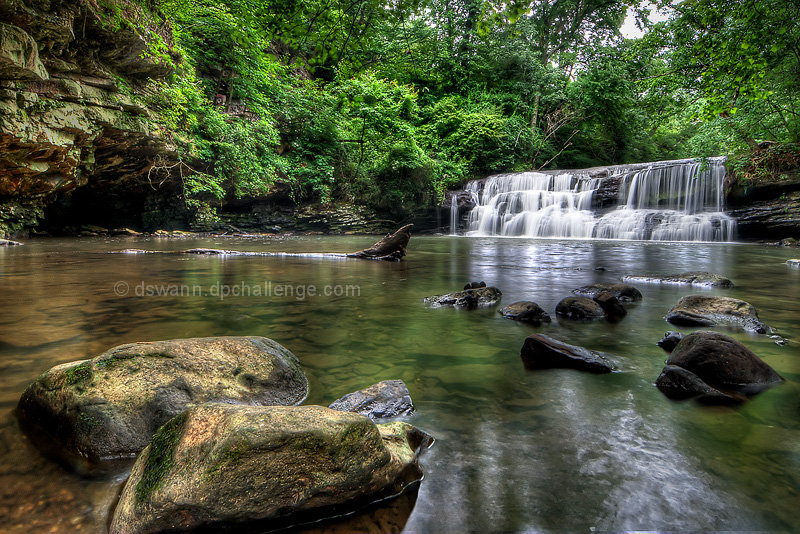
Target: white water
{"points": [[454, 214], [664, 201]]}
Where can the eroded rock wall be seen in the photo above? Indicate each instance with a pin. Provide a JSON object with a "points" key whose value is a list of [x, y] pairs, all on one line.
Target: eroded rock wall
{"points": [[73, 80]]}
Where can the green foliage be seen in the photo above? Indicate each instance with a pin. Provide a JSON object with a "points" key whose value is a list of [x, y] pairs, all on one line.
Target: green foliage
{"points": [[393, 104]]}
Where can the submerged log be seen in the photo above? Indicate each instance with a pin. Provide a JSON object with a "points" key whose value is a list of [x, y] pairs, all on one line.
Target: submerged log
{"points": [[390, 248]]}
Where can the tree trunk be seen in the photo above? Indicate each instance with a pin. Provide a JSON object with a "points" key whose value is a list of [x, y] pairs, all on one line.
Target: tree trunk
{"points": [[390, 248]]}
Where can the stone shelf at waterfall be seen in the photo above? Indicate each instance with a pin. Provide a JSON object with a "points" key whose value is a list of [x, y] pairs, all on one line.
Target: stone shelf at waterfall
{"points": [[661, 201]]}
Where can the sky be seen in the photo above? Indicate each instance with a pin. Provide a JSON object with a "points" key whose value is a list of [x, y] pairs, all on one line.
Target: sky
{"points": [[629, 29]]}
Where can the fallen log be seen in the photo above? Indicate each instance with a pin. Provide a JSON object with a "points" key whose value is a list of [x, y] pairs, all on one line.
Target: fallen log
{"points": [[390, 248]]}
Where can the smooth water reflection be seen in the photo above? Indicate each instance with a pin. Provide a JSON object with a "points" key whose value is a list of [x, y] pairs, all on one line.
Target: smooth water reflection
{"points": [[516, 450]]}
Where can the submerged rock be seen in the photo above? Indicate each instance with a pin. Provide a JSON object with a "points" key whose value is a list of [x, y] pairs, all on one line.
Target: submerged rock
{"points": [[703, 310], [693, 279], [670, 340], [264, 467], [108, 408], [526, 311], [611, 305], [717, 365], [469, 298], [543, 352], [389, 398], [678, 383], [579, 309], [623, 292]]}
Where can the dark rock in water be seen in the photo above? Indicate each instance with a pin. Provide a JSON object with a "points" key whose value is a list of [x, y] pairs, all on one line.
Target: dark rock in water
{"points": [[678, 383], [469, 298], [9, 243], [600, 269], [475, 285], [579, 309], [391, 248], [703, 310], [623, 292], [611, 305], [389, 398], [670, 340], [526, 311], [789, 242], [543, 352], [693, 279], [714, 364], [226, 468], [723, 362], [108, 408]]}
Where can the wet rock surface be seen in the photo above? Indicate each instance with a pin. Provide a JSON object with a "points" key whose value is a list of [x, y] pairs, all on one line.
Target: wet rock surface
{"points": [[611, 305], [793, 263], [466, 299], [543, 352], [579, 309], [703, 310], [692, 279], [389, 398], [623, 292], [526, 311], [264, 467], [717, 365], [92, 412], [670, 340], [9, 243]]}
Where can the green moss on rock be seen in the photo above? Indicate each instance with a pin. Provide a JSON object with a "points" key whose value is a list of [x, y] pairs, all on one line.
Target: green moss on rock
{"points": [[161, 457]]}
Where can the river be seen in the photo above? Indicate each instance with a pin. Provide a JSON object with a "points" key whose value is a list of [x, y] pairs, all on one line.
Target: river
{"points": [[555, 450]]}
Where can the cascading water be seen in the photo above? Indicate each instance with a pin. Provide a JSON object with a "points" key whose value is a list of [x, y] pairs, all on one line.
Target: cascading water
{"points": [[454, 214], [664, 201]]}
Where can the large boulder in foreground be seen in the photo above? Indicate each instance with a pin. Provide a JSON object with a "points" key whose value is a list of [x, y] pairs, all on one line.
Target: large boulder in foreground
{"points": [[693, 279], [526, 311], [389, 398], [466, 299], [543, 352], [108, 408], [703, 310], [716, 366], [579, 309], [623, 292], [264, 467]]}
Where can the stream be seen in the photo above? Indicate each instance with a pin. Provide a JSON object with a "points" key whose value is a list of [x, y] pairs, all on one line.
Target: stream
{"points": [[516, 450]]}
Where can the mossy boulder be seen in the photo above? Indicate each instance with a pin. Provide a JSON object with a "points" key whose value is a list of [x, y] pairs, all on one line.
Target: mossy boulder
{"points": [[94, 411], [704, 310], [264, 467]]}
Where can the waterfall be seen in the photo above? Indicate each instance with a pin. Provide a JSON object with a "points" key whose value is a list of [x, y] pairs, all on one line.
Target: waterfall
{"points": [[454, 214], [662, 201]]}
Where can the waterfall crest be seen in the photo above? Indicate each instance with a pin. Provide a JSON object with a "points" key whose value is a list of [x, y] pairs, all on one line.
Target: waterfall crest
{"points": [[664, 201]]}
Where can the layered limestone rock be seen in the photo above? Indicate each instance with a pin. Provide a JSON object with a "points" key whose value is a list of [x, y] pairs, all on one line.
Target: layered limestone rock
{"points": [[72, 85]]}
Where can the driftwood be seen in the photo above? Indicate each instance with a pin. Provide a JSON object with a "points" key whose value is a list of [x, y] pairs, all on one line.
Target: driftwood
{"points": [[390, 248]]}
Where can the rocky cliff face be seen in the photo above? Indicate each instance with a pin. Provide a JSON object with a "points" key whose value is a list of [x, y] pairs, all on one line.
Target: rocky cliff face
{"points": [[72, 83], [767, 208]]}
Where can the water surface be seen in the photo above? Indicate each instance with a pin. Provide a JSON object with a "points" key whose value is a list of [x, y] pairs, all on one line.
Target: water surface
{"points": [[517, 451]]}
